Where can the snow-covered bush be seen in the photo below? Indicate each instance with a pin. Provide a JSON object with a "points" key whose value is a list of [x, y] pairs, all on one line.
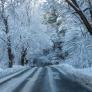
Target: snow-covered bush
{"points": [[50, 17]]}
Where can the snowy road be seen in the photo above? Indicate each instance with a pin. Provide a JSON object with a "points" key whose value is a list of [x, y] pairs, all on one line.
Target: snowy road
{"points": [[46, 79]]}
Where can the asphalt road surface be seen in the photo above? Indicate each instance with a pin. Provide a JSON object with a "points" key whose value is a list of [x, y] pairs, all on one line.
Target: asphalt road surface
{"points": [[42, 79]]}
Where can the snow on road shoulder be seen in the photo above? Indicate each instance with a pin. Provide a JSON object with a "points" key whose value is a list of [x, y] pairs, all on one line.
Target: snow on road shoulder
{"points": [[82, 76], [8, 71]]}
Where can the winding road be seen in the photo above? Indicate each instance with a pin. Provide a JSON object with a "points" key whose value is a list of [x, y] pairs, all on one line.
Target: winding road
{"points": [[42, 79]]}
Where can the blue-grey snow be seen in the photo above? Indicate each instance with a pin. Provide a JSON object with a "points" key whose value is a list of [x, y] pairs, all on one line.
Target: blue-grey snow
{"points": [[45, 45]]}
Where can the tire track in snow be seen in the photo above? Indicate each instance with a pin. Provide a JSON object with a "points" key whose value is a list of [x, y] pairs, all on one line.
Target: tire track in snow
{"points": [[44, 83], [23, 83], [32, 81], [51, 81], [16, 81], [9, 77]]}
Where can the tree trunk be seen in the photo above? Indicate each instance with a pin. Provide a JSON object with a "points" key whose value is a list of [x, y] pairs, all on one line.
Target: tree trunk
{"points": [[6, 30], [23, 60], [85, 21], [11, 57], [23, 56], [81, 15]]}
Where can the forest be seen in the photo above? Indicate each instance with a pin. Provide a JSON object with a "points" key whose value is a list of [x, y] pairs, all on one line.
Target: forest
{"points": [[51, 35]]}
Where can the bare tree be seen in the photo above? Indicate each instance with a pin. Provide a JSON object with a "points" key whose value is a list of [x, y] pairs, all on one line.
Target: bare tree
{"points": [[74, 4], [24, 59]]}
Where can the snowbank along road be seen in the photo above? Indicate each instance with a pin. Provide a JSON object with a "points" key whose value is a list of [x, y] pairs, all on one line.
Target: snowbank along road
{"points": [[42, 79]]}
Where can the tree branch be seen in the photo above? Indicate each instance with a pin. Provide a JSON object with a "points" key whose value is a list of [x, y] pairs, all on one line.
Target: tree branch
{"points": [[3, 39]]}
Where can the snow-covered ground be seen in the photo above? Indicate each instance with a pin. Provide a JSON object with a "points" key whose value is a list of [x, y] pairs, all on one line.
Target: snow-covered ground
{"points": [[82, 76], [8, 71]]}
